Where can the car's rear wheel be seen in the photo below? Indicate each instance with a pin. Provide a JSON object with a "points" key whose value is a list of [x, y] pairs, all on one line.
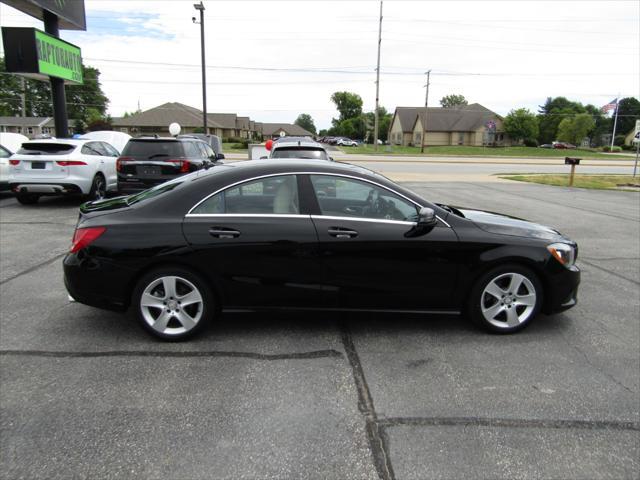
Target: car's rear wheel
{"points": [[505, 299], [173, 303], [98, 188], [27, 198]]}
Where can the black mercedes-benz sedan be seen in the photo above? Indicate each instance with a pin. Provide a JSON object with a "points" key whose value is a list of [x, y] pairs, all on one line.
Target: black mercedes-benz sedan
{"points": [[302, 235]]}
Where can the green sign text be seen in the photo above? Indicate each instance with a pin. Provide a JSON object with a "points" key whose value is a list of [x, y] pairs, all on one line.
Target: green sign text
{"points": [[58, 59]]}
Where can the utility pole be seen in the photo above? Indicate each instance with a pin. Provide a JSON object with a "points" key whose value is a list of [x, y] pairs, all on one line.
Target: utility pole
{"points": [[23, 96], [376, 120], [426, 106], [200, 7], [615, 122], [51, 26]]}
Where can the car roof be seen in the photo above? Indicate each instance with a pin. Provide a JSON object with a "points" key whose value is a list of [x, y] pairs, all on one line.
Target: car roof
{"points": [[296, 142]]}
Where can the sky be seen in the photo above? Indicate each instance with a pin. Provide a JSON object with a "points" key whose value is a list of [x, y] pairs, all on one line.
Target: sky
{"points": [[272, 60]]}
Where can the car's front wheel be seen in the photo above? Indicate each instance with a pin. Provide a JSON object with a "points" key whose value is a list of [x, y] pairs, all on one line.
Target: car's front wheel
{"points": [[505, 299], [173, 303]]}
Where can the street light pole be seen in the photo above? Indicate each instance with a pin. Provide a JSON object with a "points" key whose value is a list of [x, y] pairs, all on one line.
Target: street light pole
{"points": [[426, 105], [375, 115], [200, 7]]}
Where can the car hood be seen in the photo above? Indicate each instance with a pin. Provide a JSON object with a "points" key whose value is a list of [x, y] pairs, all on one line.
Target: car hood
{"points": [[506, 225]]}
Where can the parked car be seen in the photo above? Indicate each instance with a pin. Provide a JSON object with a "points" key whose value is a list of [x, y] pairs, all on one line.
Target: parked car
{"points": [[4, 168], [214, 142], [149, 161], [117, 140], [260, 235], [347, 142], [63, 167], [298, 147], [12, 141]]}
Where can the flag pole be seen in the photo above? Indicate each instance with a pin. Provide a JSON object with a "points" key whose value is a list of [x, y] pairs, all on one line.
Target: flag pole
{"points": [[615, 122]]}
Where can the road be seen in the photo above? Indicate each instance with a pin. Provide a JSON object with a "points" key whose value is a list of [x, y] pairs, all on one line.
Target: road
{"points": [[86, 393]]}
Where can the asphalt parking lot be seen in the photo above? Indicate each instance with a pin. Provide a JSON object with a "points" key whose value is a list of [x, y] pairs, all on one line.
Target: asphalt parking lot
{"points": [[86, 393]]}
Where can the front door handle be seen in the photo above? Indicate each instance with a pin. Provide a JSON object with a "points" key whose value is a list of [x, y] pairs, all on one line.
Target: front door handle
{"points": [[222, 232], [339, 232]]}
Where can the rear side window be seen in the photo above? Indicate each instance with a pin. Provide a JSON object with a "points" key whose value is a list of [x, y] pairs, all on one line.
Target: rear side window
{"points": [[42, 148], [94, 148], [191, 150], [269, 195], [4, 153], [153, 148]]}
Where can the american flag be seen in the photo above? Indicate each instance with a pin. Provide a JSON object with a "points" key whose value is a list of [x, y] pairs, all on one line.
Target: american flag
{"points": [[610, 106]]}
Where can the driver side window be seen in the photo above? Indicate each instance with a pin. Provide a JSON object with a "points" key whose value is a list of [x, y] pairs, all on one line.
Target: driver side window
{"points": [[347, 197]]}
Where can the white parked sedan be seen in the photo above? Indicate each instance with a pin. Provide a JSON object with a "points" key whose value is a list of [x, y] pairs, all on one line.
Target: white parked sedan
{"points": [[347, 142], [63, 167]]}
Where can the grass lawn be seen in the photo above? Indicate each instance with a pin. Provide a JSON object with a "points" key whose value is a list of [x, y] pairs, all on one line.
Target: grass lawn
{"points": [[232, 148], [483, 151], [595, 181]]}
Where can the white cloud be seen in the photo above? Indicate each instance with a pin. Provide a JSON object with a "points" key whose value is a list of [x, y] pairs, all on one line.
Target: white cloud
{"points": [[587, 51]]}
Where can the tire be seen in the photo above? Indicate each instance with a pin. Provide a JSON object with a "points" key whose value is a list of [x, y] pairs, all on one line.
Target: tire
{"points": [[162, 313], [98, 188], [505, 299], [27, 198]]}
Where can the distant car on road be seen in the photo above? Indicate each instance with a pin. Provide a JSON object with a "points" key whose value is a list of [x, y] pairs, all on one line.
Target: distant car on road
{"points": [[149, 161], [298, 147], [546, 145], [563, 145], [63, 167], [347, 142]]}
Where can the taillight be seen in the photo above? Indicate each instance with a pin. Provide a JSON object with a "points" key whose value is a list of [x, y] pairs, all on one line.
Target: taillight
{"points": [[69, 163], [120, 162], [184, 165], [14, 162], [83, 237]]}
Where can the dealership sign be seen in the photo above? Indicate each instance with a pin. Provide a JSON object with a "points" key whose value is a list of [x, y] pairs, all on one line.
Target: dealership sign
{"points": [[35, 54], [70, 13]]}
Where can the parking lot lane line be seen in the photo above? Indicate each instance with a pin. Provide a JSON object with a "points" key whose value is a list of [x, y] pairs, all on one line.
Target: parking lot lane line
{"points": [[31, 269], [521, 195], [507, 423], [377, 438], [610, 272], [192, 354]]}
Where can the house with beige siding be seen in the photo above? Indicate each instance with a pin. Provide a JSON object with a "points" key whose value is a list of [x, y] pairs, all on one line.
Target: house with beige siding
{"points": [[468, 125], [156, 121]]}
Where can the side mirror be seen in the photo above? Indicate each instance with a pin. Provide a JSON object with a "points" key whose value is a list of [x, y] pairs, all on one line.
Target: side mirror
{"points": [[220, 156], [427, 217]]}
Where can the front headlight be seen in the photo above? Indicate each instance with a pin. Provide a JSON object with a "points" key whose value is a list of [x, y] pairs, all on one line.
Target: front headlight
{"points": [[563, 253]]}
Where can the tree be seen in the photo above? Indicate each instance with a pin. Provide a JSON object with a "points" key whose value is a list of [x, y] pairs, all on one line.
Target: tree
{"points": [[305, 121], [323, 133], [552, 113], [38, 103], [628, 113], [453, 101], [521, 124], [348, 104], [574, 129]]}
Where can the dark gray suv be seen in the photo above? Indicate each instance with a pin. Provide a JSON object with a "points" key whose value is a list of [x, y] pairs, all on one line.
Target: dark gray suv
{"points": [[148, 161]]}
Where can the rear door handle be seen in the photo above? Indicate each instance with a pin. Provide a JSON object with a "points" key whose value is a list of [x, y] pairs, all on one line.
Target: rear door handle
{"points": [[339, 232], [221, 232]]}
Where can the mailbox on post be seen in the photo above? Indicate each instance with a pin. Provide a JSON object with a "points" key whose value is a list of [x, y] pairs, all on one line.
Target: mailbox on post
{"points": [[573, 162]]}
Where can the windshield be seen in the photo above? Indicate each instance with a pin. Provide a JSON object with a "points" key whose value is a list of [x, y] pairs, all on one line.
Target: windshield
{"points": [[153, 149], [313, 153]]}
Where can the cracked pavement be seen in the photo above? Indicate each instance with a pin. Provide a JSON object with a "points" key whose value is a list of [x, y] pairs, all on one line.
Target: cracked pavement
{"points": [[87, 393]]}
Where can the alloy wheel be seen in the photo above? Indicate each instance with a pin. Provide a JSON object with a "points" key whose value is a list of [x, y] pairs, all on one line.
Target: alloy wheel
{"points": [[508, 300], [171, 305], [100, 192]]}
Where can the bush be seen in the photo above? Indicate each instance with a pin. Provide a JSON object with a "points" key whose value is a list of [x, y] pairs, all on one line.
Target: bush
{"points": [[607, 148], [628, 147], [238, 143], [619, 140], [530, 142]]}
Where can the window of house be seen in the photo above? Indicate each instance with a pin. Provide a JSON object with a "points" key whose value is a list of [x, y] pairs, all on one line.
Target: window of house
{"points": [[461, 138]]}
